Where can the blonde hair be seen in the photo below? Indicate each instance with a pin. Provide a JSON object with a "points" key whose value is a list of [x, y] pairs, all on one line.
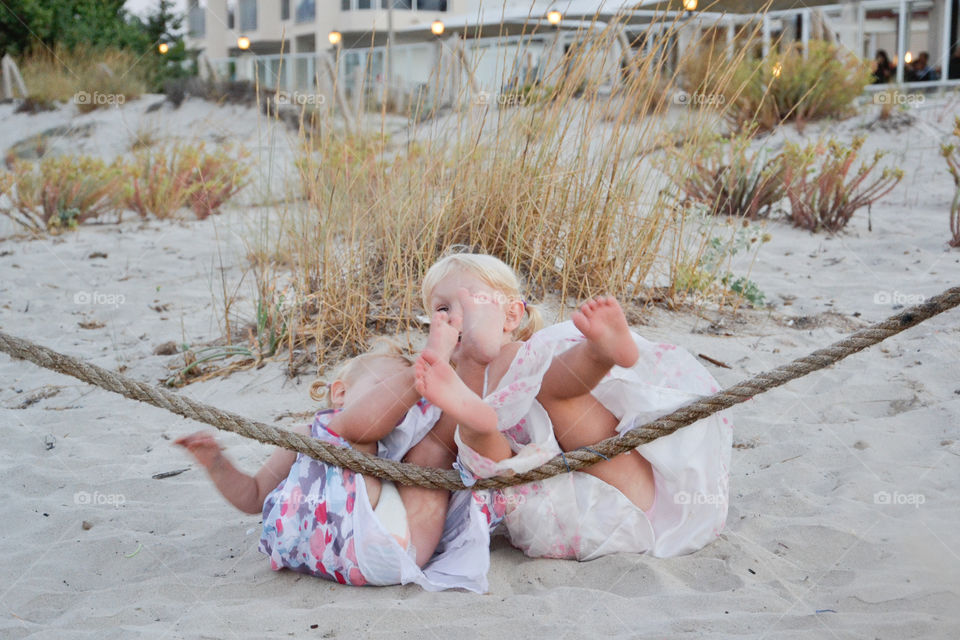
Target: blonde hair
{"points": [[493, 272], [351, 369]]}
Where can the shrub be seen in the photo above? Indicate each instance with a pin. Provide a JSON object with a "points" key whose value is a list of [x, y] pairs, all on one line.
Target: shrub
{"points": [[219, 175], [725, 178], [817, 185], [162, 180], [788, 86], [63, 191], [91, 78], [952, 156]]}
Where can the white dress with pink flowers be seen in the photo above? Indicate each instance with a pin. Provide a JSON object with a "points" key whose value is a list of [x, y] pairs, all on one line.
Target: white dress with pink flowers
{"points": [[577, 515]]}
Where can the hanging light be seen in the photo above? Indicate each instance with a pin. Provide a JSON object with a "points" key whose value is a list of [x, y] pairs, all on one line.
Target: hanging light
{"points": [[908, 57], [690, 5], [335, 38], [777, 70], [243, 43], [437, 28], [163, 47], [554, 17]]}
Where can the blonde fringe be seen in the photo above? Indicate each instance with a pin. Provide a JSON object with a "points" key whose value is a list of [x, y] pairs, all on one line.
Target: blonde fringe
{"points": [[381, 347]]}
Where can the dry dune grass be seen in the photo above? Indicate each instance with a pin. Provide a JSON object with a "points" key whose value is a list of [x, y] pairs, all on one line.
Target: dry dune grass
{"points": [[560, 188]]}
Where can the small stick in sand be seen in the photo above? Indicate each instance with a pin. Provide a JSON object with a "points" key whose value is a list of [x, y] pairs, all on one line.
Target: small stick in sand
{"points": [[713, 361]]}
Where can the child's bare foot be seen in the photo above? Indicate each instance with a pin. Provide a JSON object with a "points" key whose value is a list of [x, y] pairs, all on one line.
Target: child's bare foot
{"points": [[443, 336], [438, 382], [483, 321], [602, 321]]}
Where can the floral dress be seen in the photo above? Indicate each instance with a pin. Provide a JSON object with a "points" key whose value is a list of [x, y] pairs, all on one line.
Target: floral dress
{"points": [[577, 515], [319, 521]]}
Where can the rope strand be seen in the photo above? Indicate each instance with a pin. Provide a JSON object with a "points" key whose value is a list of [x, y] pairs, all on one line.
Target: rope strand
{"points": [[410, 474]]}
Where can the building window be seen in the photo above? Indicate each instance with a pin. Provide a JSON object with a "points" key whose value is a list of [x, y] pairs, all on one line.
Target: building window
{"points": [[248, 15], [196, 20], [284, 9], [363, 4], [306, 11], [432, 5], [397, 4]]}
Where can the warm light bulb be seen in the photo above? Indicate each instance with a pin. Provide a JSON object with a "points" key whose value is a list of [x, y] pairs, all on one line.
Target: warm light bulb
{"points": [[908, 57], [243, 43], [690, 5], [335, 37], [437, 28], [163, 47], [777, 70], [554, 17]]}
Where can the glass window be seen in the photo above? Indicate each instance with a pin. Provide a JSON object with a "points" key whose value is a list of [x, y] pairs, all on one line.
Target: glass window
{"points": [[248, 15], [284, 9], [363, 4], [397, 4], [344, 5], [432, 5], [306, 11]]}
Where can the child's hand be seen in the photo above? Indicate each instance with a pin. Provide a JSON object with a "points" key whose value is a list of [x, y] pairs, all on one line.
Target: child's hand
{"points": [[203, 447]]}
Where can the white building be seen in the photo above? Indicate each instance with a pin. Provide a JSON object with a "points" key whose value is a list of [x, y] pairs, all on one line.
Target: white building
{"points": [[500, 41]]}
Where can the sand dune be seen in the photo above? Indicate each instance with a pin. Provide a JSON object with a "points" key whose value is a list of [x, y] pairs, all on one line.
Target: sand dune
{"points": [[844, 486]]}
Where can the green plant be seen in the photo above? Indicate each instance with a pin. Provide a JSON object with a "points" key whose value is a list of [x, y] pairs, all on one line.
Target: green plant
{"points": [[698, 276], [792, 85], [822, 191], [90, 78], [219, 175], [726, 178], [746, 289], [63, 191], [952, 156], [162, 180]]}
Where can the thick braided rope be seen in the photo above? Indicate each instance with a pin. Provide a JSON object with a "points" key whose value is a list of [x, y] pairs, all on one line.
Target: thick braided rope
{"points": [[445, 479]]}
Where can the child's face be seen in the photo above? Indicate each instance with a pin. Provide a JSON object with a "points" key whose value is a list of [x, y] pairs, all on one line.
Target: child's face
{"points": [[373, 372], [498, 312]]}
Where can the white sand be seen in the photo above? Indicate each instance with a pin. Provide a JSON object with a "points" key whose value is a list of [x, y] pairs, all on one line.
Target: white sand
{"points": [[808, 530]]}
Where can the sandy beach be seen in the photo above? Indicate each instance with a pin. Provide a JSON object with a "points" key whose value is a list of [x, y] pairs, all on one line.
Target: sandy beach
{"points": [[844, 501]]}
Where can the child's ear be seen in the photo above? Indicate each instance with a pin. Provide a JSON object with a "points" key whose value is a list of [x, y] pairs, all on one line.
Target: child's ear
{"points": [[338, 390], [514, 313]]}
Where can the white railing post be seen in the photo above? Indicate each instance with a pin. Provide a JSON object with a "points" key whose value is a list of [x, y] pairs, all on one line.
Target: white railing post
{"points": [[765, 35], [901, 39], [805, 31], [945, 43]]}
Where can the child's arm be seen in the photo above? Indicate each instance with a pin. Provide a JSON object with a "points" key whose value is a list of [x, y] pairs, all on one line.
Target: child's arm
{"points": [[377, 411], [243, 491]]}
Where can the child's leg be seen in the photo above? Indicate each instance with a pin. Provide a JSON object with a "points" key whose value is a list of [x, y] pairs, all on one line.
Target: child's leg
{"points": [[579, 420], [582, 422], [439, 384], [578, 370], [427, 508]]}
